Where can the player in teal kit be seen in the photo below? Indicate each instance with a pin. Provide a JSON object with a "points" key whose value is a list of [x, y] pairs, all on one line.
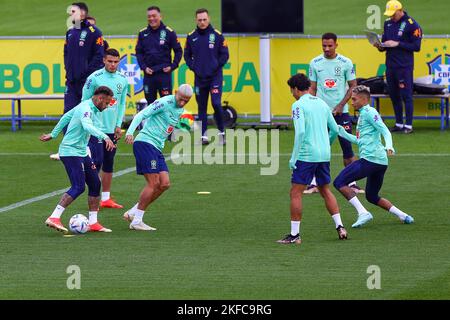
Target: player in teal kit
{"points": [[109, 121], [161, 118], [315, 130], [73, 154], [332, 78], [373, 160]]}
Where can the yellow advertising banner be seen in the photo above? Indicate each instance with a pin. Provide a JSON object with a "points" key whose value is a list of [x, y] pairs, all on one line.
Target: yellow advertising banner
{"points": [[35, 66]]}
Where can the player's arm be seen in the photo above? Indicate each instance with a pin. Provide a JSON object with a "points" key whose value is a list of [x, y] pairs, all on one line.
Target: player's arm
{"points": [[65, 119], [333, 128], [188, 54], [89, 88], [151, 110], [177, 50], [140, 53], [88, 125], [313, 78], [299, 134], [415, 39], [121, 112], [96, 62], [347, 136], [378, 124], [224, 54]]}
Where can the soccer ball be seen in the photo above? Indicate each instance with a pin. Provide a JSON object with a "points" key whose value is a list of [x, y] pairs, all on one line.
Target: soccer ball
{"points": [[79, 224]]}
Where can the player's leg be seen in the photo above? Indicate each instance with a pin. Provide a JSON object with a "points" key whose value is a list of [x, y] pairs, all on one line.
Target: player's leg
{"points": [[107, 176], [75, 171], [322, 174], [353, 172], [96, 152], [299, 180], [94, 186], [216, 101], [373, 187], [201, 95], [394, 94], [150, 165], [150, 89], [406, 92]]}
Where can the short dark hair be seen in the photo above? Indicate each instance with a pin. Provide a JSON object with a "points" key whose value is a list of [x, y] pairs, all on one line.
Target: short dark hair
{"points": [[91, 18], [299, 81], [362, 90], [111, 52], [154, 8], [201, 10], [83, 6], [104, 90], [329, 35]]}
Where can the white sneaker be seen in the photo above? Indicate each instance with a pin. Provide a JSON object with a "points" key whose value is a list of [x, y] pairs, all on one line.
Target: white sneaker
{"points": [[128, 216], [141, 226], [55, 156]]}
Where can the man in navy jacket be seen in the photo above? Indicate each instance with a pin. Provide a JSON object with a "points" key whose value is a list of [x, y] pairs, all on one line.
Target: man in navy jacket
{"points": [[401, 38], [205, 53], [153, 50]]}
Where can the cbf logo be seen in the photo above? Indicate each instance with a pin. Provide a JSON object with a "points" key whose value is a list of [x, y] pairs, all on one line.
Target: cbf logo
{"points": [[439, 68], [212, 40], [153, 164], [129, 67]]}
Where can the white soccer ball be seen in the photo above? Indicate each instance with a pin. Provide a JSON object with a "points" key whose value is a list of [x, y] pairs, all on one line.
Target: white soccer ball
{"points": [[79, 224]]}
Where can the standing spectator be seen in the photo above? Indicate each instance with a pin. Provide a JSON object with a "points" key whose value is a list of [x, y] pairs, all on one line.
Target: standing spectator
{"points": [[402, 37], [206, 52], [153, 51], [83, 54]]}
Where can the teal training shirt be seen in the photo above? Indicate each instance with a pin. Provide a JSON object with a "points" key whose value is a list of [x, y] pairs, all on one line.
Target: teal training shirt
{"points": [[315, 129], [161, 118], [369, 129], [79, 130], [112, 117], [331, 76]]}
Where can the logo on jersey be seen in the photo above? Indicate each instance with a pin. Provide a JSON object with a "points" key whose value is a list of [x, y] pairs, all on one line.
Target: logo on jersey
{"points": [[376, 118], [439, 69], [113, 102], [162, 37], [129, 67], [212, 40], [87, 115], [119, 88], [330, 83], [337, 71], [153, 164], [296, 113], [169, 130]]}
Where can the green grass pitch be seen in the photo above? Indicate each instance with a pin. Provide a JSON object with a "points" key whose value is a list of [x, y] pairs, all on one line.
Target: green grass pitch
{"points": [[222, 245], [116, 17]]}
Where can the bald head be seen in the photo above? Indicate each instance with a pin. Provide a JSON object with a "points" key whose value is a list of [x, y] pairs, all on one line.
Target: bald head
{"points": [[183, 94]]}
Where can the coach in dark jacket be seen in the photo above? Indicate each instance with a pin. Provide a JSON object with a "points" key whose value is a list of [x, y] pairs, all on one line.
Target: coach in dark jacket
{"points": [[206, 52], [153, 50], [402, 37], [83, 54]]}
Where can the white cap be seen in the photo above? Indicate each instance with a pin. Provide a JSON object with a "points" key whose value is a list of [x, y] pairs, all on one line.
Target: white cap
{"points": [[186, 90]]}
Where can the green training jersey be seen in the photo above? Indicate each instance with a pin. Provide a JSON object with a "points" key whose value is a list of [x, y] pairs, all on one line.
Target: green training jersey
{"points": [[79, 130], [111, 117], [331, 76], [315, 129], [369, 129], [161, 118]]}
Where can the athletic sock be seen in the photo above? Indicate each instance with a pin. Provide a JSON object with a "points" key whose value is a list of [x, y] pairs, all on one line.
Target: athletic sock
{"points": [[295, 228], [105, 195], [138, 215], [93, 217], [337, 220], [358, 206], [397, 212], [58, 212]]}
